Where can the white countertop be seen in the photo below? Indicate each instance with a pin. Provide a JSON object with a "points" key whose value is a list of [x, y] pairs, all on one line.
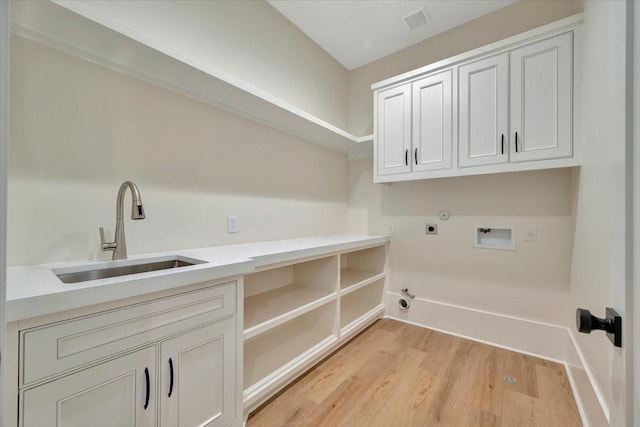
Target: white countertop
{"points": [[35, 290]]}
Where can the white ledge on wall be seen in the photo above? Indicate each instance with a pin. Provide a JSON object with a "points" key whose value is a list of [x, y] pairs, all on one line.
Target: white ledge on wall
{"points": [[78, 29]]}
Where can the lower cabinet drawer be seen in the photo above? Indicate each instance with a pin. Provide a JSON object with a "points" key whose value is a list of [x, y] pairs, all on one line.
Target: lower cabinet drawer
{"points": [[59, 347]]}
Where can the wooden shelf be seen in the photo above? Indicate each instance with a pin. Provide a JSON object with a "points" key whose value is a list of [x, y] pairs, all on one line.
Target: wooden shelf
{"points": [[79, 29], [267, 310], [354, 278]]}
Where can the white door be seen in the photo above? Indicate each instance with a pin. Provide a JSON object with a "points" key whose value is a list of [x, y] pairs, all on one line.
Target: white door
{"points": [[602, 269], [483, 93], [4, 125], [197, 385], [541, 91], [635, 286], [432, 125], [119, 393], [393, 132]]}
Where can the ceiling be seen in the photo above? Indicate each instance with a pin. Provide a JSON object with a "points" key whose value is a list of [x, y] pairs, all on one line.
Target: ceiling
{"points": [[356, 32]]}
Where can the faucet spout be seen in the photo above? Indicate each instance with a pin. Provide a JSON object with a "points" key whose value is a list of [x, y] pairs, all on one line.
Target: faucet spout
{"points": [[137, 211], [119, 247]]}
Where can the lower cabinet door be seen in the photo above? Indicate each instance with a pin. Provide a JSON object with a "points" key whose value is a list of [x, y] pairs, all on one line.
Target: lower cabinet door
{"points": [[120, 393], [198, 377]]}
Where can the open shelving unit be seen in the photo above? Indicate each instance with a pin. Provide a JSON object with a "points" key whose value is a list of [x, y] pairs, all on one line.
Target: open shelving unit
{"points": [[277, 356], [361, 268], [298, 313], [360, 305], [82, 30], [275, 296]]}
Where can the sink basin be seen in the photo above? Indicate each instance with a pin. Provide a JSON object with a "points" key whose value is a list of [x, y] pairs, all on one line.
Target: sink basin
{"points": [[122, 268]]}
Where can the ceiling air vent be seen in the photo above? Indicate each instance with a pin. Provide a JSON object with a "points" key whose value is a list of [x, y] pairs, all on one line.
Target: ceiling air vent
{"points": [[416, 19]]}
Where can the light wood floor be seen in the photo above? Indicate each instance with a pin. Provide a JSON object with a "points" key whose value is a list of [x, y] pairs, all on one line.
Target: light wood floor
{"points": [[395, 374]]}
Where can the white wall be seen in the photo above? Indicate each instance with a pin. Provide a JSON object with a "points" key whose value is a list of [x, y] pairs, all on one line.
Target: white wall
{"points": [[531, 282], [78, 130], [598, 272], [508, 21], [248, 40]]}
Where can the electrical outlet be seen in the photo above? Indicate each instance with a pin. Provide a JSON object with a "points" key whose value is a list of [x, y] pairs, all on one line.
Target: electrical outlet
{"points": [[232, 224], [530, 234], [431, 229], [391, 229]]}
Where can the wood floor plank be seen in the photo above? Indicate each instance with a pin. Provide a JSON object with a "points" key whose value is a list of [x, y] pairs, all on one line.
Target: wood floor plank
{"points": [[348, 363], [397, 374], [283, 411]]}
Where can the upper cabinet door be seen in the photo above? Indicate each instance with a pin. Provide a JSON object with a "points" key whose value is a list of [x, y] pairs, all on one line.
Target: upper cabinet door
{"points": [[432, 125], [393, 133], [541, 91], [483, 111]]}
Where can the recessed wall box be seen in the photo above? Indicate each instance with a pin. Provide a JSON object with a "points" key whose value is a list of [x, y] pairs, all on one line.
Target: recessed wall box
{"points": [[431, 229], [491, 237]]}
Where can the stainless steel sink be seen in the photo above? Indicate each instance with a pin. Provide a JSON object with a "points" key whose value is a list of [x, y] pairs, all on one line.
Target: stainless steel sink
{"points": [[96, 271]]}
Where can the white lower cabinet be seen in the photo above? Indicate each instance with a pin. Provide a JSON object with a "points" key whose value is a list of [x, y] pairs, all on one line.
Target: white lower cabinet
{"points": [[120, 393], [198, 373], [185, 374]]}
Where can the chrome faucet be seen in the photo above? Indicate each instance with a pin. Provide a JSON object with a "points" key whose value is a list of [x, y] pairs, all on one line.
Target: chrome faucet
{"points": [[119, 247]]}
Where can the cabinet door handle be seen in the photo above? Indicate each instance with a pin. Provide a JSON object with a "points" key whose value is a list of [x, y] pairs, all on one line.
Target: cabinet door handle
{"points": [[503, 143], [170, 377], [406, 157], [146, 399], [516, 142], [415, 154]]}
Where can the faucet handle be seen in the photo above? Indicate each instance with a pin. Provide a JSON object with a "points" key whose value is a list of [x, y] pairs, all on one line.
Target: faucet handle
{"points": [[106, 246]]}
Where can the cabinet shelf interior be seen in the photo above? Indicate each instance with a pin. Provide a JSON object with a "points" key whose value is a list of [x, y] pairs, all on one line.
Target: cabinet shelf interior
{"points": [[273, 293], [281, 345], [360, 302], [358, 266]]}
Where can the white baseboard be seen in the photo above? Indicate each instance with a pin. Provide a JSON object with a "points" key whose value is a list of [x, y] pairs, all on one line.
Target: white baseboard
{"points": [[543, 340]]}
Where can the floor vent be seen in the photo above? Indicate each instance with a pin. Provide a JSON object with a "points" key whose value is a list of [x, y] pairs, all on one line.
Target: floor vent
{"points": [[510, 380]]}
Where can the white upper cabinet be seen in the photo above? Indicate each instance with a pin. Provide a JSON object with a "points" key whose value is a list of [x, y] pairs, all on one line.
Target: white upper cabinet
{"points": [[414, 126], [482, 111], [394, 130], [505, 107], [541, 89], [432, 122]]}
